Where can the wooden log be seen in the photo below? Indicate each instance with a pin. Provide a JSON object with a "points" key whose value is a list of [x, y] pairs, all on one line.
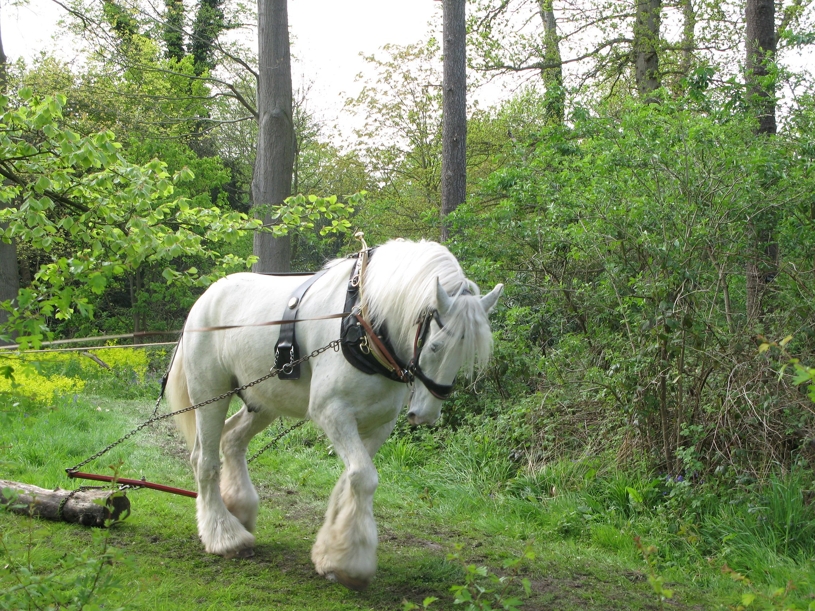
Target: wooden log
{"points": [[75, 506]]}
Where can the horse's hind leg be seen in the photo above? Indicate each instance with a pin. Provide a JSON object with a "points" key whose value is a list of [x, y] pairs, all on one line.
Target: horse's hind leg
{"points": [[237, 490], [220, 531], [345, 548]]}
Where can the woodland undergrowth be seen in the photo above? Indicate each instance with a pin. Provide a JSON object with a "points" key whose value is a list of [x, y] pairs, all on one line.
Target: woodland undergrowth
{"points": [[747, 542]]}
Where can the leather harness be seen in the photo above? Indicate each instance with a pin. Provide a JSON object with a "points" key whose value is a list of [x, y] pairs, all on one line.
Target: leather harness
{"points": [[286, 350], [368, 351]]}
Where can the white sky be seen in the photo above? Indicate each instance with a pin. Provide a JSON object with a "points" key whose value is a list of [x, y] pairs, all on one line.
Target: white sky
{"points": [[328, 37]]}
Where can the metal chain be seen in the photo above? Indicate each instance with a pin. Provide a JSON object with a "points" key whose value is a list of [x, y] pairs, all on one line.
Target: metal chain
{"points": [[272, 373], [64, 501], [160, 396], [277, 438]]}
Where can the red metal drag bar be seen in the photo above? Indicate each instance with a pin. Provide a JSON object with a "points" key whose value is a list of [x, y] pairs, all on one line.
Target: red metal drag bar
{"points": [[132, 482]]}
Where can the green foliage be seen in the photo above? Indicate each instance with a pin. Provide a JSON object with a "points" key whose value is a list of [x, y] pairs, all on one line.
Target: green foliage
{"points": [[85, 579], [27, 380], [649, 554], [483, 589], [119, 219], [773, 598], [302, 213], [40, 379], [98, 215], [623, 241], [401, 142]]}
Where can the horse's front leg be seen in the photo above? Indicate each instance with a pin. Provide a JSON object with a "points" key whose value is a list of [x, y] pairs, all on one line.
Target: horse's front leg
{"points": [[237, 490], [220, 531], [345, 549]]}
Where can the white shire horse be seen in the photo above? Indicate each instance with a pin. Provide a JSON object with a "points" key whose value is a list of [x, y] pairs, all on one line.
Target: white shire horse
{"points": [[402, 283]]}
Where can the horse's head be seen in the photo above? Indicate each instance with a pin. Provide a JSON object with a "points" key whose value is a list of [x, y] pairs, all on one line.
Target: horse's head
{"points": [[450, 338]]}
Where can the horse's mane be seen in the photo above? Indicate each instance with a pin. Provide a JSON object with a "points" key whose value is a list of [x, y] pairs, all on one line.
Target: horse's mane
{"points": [[400, 283]]}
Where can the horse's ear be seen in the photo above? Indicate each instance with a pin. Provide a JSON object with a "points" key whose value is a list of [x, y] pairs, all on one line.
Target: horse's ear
{"points": [[443, 301], [489, 300]]}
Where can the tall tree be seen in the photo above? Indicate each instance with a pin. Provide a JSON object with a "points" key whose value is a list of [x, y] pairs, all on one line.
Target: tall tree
{"points": [[174, 29], [760, 43], [208, 25], [688, 37], [646, 46], [3, 69], [454, 111], [9, 273], [552, 71], [274, 163]]}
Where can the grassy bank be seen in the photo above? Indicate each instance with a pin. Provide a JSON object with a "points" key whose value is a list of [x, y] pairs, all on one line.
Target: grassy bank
{"points": [[455, 509]]}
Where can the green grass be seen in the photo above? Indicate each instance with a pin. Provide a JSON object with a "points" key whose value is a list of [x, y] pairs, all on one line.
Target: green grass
{"points": [[439, 491]]}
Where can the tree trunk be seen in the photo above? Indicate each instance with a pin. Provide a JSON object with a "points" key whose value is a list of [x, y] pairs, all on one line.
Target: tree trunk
{"points": [[552, 74], [3, 67], [688, 40], [9, 278], [174, 29], [274, 163], [208, 25], [9, 272], [135, 292], [646, 46], [760, 44], [454, 112], [65, 505]]}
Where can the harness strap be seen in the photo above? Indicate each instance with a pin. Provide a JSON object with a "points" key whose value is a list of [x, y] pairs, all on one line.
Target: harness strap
{"points": [[381, 352], [268, 323], [440, 391], [286, 350], [361, 346]]}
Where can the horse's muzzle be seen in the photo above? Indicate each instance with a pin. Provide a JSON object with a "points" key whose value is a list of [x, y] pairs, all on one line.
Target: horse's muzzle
{"points": [[415, 419]]}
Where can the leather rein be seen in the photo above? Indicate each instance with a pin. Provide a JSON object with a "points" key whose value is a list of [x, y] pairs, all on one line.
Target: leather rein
{"points": [[377, 349]]}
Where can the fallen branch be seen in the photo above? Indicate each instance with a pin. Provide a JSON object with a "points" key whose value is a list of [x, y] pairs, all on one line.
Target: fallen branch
{"points": [[94, 507]]}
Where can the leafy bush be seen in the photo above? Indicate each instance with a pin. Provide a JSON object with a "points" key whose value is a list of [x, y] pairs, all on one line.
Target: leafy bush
{"points": [[624, 240], [40, 378], [28, 380], [85, 579]]}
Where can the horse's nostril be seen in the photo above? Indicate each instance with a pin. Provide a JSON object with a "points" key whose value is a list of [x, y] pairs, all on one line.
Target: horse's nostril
{"points": [[411, 415]]}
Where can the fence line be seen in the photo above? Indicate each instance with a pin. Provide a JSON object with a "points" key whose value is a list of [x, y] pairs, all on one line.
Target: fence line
{"points": [[100, 338]]}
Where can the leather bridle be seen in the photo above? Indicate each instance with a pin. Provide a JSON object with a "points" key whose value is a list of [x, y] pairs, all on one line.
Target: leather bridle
{"points": [[440, 391], [376, 349]]}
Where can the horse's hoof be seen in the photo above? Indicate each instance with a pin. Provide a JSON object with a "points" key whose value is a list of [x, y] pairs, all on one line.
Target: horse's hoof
{"points": [[246, 552], [352, 583]]}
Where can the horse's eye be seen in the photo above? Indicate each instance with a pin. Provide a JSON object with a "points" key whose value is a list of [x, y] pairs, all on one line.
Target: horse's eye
{"points": [[434, 347]]}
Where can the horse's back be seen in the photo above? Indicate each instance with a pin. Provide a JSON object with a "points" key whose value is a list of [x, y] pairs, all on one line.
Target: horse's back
{"points": [[215, 359], [218, 360], [238, 299]]}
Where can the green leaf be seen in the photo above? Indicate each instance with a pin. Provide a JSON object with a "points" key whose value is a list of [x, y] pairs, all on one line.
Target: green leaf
{"points": [[802, 376], [634, 494], [97, 282]]}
